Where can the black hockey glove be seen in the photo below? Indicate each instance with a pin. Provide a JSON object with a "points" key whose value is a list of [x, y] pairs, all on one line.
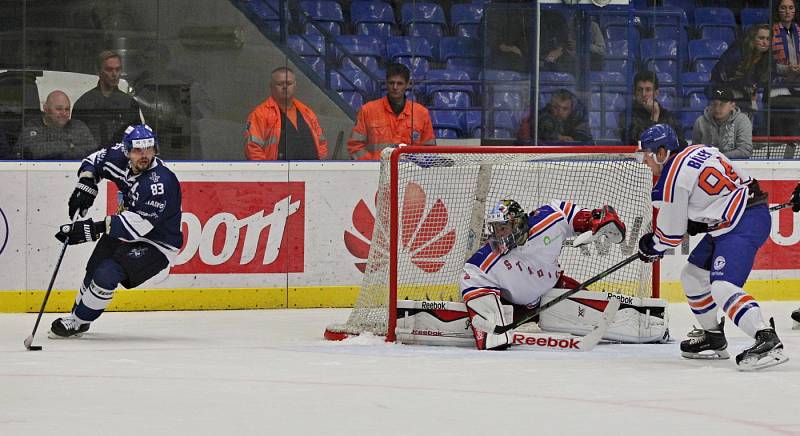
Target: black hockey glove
{"points": [[796, 199], [695, 227], [81, 231], [647, 250], [82, 197]]}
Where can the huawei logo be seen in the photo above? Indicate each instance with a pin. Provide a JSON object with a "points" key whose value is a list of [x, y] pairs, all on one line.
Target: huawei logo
{"points": [[422, 232]]}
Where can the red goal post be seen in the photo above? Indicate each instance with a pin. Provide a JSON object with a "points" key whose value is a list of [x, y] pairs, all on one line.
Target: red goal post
{"points": [[431, 205]]}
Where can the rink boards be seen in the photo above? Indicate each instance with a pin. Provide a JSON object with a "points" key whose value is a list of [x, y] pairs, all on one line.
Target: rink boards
{"points": [[277, 235]]}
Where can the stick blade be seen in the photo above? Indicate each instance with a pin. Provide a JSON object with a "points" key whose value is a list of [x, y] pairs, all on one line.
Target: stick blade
{"points": [[28, 344]]}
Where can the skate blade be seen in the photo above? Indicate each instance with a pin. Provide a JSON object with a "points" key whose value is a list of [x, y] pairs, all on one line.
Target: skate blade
{"points": [[774, 357], [52, 335], [709, 355]]}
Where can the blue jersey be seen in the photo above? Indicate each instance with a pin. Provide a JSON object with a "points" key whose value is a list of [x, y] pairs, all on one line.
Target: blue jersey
{"points": [[151, 199]]}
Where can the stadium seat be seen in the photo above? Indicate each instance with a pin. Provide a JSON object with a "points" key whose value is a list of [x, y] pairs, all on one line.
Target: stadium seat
{"points": [[369, 50], [687, 6], [609, 101], [694, 83], [465, 19], [373, 18], [705, 49], [448, 123], [326, 14], [687, 119], [751, 16], [352, 98], [660, 55], [311, 48], [607, 77], [473, 123], [411, 51], [617, 57], [267, 13], [668, 97], [447, 80], [604, 125], [423, 19], [459, 47], [697, 100], [715, 23], [705, 65]]}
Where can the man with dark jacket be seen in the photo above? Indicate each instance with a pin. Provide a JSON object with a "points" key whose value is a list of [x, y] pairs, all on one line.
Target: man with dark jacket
{"points": [[646, 110], [562, 120]]}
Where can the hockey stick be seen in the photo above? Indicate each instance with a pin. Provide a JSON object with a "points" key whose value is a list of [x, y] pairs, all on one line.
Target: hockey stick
{"points": [[502, 329], [780, 206], [29, 339]]}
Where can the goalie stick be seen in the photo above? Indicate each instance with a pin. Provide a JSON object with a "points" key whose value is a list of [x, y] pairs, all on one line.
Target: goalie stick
{"points": [[29, 340], [502, 329], [780, 206]]}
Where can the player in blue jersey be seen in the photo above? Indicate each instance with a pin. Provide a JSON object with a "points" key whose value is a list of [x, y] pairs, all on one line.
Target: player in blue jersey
{"points": [[136, 243], [700, 191]]}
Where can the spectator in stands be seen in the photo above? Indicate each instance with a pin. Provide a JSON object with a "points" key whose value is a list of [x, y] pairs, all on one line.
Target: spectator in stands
{"points": [[597, 43], [723, 125], [105, 108], [744, 67], [54, 135], [391, 120], [784, 94], [508, 38], [564, 119], [555, 49], [282, 127], [646, 110]]}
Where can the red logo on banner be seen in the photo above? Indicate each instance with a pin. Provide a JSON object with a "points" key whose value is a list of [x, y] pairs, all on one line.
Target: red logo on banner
{"points": [[782, 249], [239, 227], [420, 232]]}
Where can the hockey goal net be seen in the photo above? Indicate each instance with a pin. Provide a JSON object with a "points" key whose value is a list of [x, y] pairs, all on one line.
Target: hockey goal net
{"points": [[431, 205]]}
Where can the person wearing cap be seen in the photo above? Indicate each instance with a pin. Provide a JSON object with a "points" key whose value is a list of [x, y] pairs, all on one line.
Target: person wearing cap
{"points": [[724, 125]]}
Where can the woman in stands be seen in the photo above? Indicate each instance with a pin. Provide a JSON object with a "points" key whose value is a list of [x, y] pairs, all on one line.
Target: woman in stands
{"points": [[785, 92], [744, 67]]}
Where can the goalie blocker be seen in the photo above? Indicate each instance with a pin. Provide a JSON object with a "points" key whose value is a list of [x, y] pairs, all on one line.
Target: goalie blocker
{"points": [[638, 320]]}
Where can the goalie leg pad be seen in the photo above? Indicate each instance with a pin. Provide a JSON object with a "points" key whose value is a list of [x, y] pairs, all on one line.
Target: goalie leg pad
{"points": [[639, 320], [486, 312]]}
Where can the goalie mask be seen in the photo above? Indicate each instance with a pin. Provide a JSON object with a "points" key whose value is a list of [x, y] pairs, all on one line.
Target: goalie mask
{"points": [[507, 226]]}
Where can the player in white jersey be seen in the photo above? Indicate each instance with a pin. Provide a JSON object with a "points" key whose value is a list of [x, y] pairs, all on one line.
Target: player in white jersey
{"points": [[519, 263], [700, 191]]}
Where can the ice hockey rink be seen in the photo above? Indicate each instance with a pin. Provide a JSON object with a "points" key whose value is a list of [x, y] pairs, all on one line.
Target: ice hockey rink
{"points": [[270, 372]]}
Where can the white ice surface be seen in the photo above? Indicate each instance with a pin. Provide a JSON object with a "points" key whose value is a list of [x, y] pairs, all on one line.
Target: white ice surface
{"points": [[270, 373]]}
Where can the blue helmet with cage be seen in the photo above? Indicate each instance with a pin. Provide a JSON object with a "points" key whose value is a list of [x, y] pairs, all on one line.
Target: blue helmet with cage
{"points": [[659, 135], [139, 136]]}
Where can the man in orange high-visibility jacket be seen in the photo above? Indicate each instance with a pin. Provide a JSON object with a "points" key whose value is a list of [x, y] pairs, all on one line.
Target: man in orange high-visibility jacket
{"points": [[283, 128], [390, 120]]}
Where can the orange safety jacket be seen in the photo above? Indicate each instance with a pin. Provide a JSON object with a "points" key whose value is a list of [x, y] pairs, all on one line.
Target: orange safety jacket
{"points": [[263, 131], [377, 127]]}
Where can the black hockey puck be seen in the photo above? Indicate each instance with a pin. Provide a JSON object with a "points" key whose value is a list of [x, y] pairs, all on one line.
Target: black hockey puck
{"points": [[35, 348]]}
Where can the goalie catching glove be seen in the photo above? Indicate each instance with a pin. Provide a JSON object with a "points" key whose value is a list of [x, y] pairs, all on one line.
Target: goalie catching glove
{"points": [[602, 222], [81, 231], [647, 249], [83, 196]]}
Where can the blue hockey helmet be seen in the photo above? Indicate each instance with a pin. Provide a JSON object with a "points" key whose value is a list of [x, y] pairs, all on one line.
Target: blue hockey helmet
{"points": [[139, 136], [659, 135]]}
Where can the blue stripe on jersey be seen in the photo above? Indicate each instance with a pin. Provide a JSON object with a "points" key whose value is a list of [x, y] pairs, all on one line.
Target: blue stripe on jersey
{"points": [[742, 310], [658, 190], [572, 210], [497, 259], [480, 255], [739, 207]]}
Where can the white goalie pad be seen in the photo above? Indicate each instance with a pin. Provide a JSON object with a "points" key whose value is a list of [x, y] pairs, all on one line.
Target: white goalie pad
{"points": [[638, 321]]}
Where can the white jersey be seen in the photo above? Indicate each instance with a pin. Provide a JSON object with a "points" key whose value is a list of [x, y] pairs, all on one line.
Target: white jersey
{"points": [[698, 184], [525, 273]]}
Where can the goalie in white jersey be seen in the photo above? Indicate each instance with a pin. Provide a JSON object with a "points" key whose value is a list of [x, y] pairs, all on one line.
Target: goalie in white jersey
{"points": [[519, 263], [700, 191]]}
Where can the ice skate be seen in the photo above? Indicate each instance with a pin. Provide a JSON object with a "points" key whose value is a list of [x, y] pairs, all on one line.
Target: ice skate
{"points": [[706, 344], [67, 327], [796, 320], [767, 351]]}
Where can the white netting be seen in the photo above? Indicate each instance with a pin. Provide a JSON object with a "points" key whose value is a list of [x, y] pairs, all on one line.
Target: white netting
{"points": [[443, 198]]}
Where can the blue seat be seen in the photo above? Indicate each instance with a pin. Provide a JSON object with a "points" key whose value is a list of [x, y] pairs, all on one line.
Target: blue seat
{"points": [[423, 19], [470, 65], [607, 78], [449, 99], [668, 97], [352, 81], [369, 50], [473, 123], [612, 101], [267, 12], [352, 98], [686, 6], [326, 14], [751, 16], [604, 125], [411, 51], [694, 83], [373, 18], [491, 75], [687, 119], [448, 123], [461, 47], [703, 49], [705, 65], [697, 100], [707, 19], [465, 19], [447, 80], [617, 57], [660, 55], [311, 48]]}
